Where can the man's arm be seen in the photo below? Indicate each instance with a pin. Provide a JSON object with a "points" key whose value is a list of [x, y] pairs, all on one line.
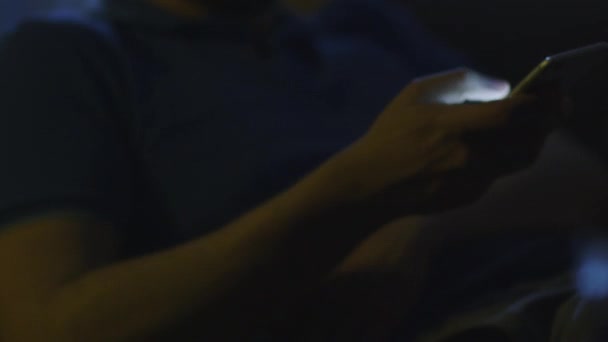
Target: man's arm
{"points": [[57, 288], [262, 252], [284, 245], [66, 197]]}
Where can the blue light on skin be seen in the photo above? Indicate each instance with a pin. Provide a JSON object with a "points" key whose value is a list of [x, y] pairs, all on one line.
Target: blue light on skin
{"points": [[592, 274]]}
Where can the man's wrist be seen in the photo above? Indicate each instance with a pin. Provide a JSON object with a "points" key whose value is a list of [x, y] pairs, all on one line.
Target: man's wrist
{"points": [[344, 185]]}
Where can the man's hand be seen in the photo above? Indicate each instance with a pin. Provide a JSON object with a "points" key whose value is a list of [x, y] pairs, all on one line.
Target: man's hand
{"points": [[400, 246], [419, 139]]}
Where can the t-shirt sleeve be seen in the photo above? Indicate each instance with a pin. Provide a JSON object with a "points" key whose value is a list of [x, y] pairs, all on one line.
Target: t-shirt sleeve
{"points": [[389, 24], [59, 145]]}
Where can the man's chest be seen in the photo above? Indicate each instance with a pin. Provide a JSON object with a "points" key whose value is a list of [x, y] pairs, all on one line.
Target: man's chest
{"points": [[223, 130]]}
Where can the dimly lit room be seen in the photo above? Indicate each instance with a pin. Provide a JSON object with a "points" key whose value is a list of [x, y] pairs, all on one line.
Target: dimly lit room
{"points": [[303, 170]]}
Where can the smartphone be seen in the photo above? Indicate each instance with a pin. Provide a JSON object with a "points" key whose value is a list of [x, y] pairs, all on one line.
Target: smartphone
{"points": [[564, 70]]}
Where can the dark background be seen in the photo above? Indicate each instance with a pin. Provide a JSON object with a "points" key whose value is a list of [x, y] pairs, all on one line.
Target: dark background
{"points": [[509, 37], [505, 37]]}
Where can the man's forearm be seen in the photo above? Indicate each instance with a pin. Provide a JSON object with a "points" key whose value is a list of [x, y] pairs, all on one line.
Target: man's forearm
{"points": [[288, 242]]}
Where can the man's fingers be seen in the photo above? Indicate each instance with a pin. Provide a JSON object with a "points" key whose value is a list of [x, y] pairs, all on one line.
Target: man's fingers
{"points": [[471, 117], [425, 88], [457, 86]]}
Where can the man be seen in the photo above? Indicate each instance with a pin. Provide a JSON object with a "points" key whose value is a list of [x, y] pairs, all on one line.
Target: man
{"points": [[199, 162]]}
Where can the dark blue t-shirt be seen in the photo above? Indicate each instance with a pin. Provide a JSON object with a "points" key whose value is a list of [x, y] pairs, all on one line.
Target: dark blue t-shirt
{"points": [[214, 117]]}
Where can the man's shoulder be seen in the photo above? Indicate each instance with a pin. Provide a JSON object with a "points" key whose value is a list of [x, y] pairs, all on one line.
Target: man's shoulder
{"points": [[73, 31], [75, 45], [58, 57]]}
